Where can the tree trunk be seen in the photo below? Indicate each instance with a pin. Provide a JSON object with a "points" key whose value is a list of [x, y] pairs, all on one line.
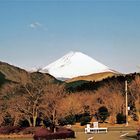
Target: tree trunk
{"points": [[54, 130], [34, 121], [54, 120], [29, 121], [15, 122], [52, 127]]}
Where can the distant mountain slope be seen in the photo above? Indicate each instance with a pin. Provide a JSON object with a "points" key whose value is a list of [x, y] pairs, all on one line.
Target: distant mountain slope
{"points": [[74, 64], [13, 73], [110, 82], [37, 76], [10, 73], [93, 77]]}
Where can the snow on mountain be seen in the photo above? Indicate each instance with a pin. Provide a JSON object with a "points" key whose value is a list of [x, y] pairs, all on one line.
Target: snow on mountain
{"points": [[74, 64]]}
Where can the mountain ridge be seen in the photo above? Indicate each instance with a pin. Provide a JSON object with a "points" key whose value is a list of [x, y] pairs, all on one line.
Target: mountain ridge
{"points": [[14, 74]]}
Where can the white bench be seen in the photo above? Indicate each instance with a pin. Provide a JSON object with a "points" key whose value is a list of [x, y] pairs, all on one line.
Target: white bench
{"points": [[95, 129]]}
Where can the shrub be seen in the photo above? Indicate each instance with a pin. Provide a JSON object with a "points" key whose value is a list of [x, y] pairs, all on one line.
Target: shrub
{"points": [[84, 120], [78, 117], [67, 120], [10, 129], [102, 113], [29, 130], [42, 132], [8, 120], [121, 118], [61, 133], [46, 122], [24, 123], [63, 121], [71, 119]]}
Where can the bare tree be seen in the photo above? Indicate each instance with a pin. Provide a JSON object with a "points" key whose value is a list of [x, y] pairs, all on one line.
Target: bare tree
{"points": [[51, 100], [5, 93], [26, 103], [112, 99], [134, 88], [71, 105]]}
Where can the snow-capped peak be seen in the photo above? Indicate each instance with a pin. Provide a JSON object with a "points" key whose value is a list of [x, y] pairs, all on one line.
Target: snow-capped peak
{"points": [[74, 64]]}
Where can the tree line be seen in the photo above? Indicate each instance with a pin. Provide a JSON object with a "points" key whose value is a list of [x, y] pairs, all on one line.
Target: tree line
{"points": [[37, 103]]}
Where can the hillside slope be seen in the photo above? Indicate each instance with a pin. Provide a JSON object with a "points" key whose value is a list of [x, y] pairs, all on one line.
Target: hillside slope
{"points": [[93, 77], [13, 74]]}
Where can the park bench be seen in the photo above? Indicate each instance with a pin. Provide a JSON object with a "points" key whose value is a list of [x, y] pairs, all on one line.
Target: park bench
{"points": [[95, 128]]}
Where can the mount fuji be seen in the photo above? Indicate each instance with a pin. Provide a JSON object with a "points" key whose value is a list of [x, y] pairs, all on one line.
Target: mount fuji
{"points": [[74, 64]]}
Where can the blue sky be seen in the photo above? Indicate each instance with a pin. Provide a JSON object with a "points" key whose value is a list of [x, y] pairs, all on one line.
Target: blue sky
{"points": [[35, 33]]}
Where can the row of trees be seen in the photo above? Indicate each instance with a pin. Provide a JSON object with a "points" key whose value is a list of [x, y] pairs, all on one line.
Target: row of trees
{"points": [[32, 101]]}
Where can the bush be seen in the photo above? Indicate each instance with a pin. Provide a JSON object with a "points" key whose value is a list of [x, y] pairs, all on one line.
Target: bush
{"points": [[46, 122], [84, 120], [67, 120], [24, 123], [10, 129], [8, 120], [121, 118], [71, 119], [61, 133], [63, 121], [42, 132], [29, 130], [102, 113]]}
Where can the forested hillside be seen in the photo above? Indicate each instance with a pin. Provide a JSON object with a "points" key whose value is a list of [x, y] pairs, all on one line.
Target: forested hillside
{"points": [[32, 99]]}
